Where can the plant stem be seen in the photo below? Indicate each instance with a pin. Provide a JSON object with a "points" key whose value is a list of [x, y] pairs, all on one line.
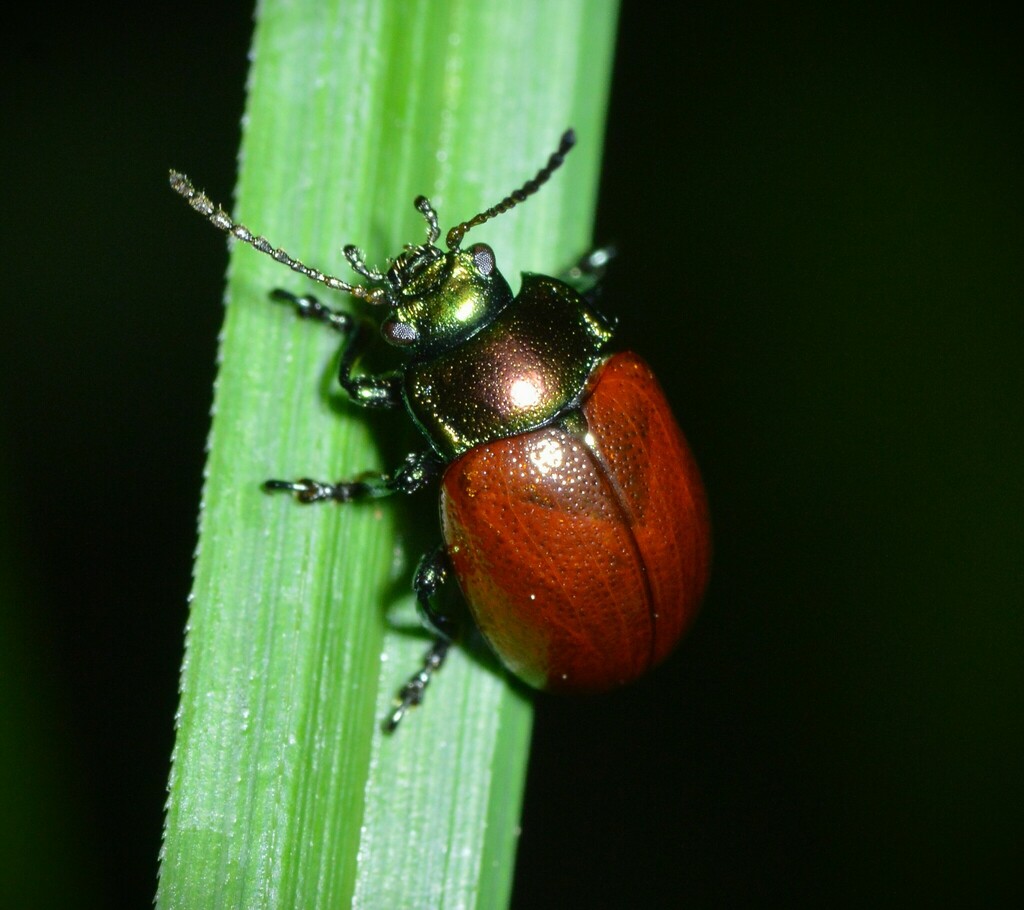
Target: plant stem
{"points": [[283, 791]]}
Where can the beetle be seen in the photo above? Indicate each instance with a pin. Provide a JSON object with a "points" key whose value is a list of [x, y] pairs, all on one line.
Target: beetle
{"points": [[572, 512]]}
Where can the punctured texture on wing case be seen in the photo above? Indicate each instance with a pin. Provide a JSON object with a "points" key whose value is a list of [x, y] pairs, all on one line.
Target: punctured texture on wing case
{"points": [[583, 557]]}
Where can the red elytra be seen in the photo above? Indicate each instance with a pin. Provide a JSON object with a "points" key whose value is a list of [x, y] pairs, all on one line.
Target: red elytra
{"points": [[583, 560]]}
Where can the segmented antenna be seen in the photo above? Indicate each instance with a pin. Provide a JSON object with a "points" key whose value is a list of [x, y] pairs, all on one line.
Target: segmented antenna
{"points": [[455, 235], [219, 218]]}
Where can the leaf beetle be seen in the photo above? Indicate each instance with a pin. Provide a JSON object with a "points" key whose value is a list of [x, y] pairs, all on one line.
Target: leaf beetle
{"points": [[573, 515]]}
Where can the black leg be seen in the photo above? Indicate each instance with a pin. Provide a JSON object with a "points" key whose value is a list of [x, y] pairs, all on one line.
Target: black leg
{"points": [[411, 694], [418, 470], [308, 307], [587, 273], [384, 391], [430, 576]]}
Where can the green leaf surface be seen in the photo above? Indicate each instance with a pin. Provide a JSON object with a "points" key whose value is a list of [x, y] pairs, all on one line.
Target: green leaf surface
{"points": [[284, 792]]}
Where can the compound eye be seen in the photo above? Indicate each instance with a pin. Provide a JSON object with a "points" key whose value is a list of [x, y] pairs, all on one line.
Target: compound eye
{"points": [[483, 258], [398, 333]]}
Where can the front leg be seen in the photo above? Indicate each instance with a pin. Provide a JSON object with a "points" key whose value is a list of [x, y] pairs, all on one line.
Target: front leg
{"points": [[417, 471], [383, 391]]}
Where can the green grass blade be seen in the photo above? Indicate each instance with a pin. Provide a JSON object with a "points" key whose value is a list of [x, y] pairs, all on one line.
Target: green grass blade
{"points": [[284, 792]]}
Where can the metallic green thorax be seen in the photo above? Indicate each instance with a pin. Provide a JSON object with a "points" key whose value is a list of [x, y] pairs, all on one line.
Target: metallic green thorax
{"points": [[481, 364], [520, 363]]}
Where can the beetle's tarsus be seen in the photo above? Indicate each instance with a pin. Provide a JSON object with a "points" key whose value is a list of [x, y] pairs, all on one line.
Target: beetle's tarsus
{"points": [[307, 490], [587, 273], [416, 471], [308, 307], [411, 694]]}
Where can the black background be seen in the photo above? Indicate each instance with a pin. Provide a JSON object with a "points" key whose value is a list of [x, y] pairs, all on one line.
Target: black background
{"points": [[820, 222]]}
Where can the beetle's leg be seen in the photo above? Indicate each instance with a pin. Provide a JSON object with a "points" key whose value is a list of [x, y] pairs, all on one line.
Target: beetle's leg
{"points": [[430, 575], [308, 307], [586, 275], [384, 391], [418, 470], [411, 694]]}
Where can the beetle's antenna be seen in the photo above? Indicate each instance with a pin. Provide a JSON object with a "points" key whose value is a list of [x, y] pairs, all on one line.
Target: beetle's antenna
{"points": [[219, 218], [456, 234]]}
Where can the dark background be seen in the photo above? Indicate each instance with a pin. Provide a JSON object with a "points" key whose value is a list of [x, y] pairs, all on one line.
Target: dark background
{"points": [[820, 222]]}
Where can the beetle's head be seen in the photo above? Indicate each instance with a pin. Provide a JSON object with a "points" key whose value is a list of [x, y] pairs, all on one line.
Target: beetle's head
{"points": [[438, 298], [435, 298]]}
